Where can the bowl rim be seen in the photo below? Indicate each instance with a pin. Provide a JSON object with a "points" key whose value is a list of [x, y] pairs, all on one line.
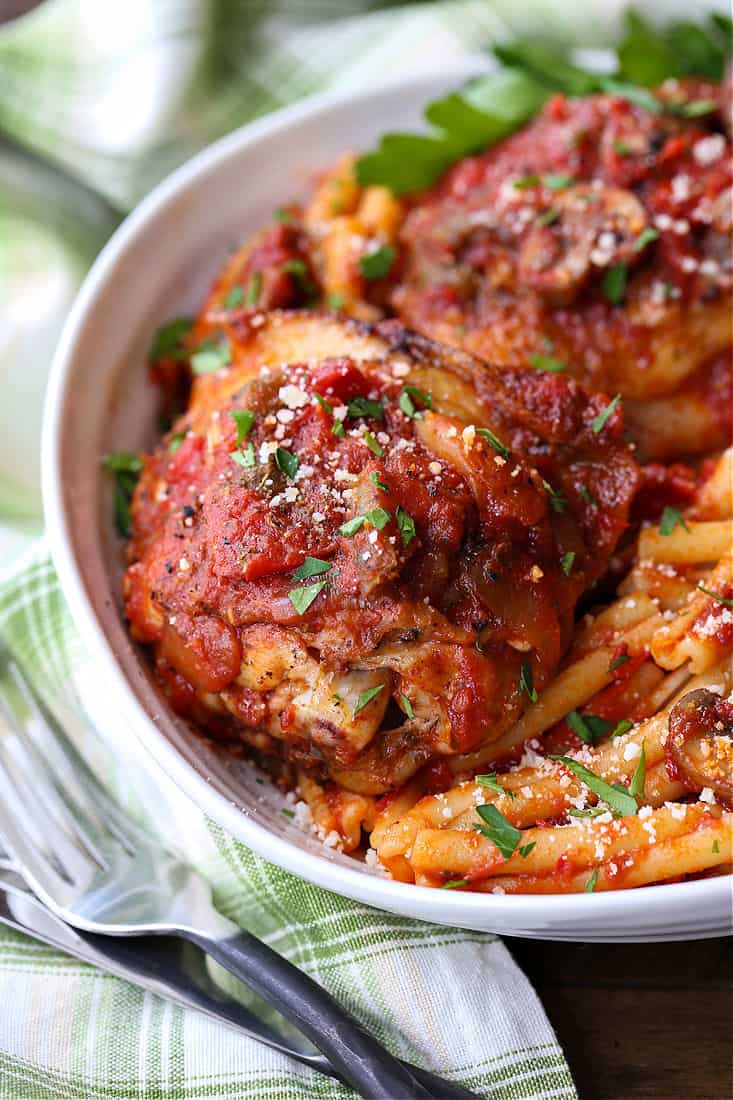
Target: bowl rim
{"points": [[607, 910]]}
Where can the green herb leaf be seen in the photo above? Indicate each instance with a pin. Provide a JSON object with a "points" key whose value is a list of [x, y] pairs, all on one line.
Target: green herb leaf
{"points": [[244, 419], [589, 727], [124, 462], [585, 493], [716, 596], [499, 831], [599, 422], [405, 526], [526, 681], [622, 727], [547, 363], [377, 264], [324, 404], [645, 237], [363, 406], [372, 444], [614, 283], [126, 468], [302, 598], [336, 302], [671, 518], [234, 298], [378, 518], [311, 567], [491, 781], [631, 92], [616, 796], [288, 813], [366, 697], [283, 216], [254, 289], [211, 356], [591, 883], [495, 442], [558, 502], [566, 562], [691, 108], [557, 181], [287, 462], [592, 811], [352, 526], [376, 480], [407, 404], [549, 217], [636, 786], [525, 182], [245, 457], [175, 441], [527, 848], [715, 848], [407, 706], [618, 662], [167, 343], [454, 883]]}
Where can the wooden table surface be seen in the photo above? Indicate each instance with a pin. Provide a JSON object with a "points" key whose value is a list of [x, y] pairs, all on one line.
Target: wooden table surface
{"points": [[639, 1020]]}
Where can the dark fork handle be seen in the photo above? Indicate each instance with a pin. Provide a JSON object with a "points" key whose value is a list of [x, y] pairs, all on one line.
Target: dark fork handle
{"points": [[361, 1060]]}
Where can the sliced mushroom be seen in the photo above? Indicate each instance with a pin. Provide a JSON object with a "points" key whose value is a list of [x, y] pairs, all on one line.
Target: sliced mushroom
{"points": [[593, 227], [699, 749]]}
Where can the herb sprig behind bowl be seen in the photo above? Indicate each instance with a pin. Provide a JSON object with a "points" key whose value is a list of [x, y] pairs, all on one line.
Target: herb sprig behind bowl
{"points": [[491, 107]]}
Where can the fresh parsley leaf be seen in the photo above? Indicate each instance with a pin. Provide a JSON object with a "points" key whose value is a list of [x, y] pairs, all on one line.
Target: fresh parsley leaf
{"points": [[636, 786], [499, 831], [126, 468], [558, 502], [366, 697], [621, 660], [692, 108], [376, 480], [245, 457], [715, 848], [302, 598], [526, 682], [407, 404], [495, 442], [527, 848], [645, 237], [378, 518], [599, 422], [616, 796], [566, 562], [372, 444], [631, 92], [671, 518], [211, 356], [454, 883], [311, 567], [287, 462], [589, 727], [548, 64], [336, 302], [622, 727], [549, 217], [407, 706], [363, 406], [525, 182], [324, 404], [592, 811], [175, 441], [547, 363], [557, 181], [377, 264], [614, 283], [167, 343], [716, 596], [288, 813], [591, 883], [295, 267], [491, 781], [244, 419], [352, 526], [234, 298], [283, 216], [254, 289], [405, 526], [585, 493], [124, 462]]}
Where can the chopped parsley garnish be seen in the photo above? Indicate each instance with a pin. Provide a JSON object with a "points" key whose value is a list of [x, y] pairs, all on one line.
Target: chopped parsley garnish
{"points": [[245, 457], [363, 406], [454, 883], [621, 660], [126, 468], [524, 182], [491, 781], [288, 813], [558, 502], [167, 343], [614, 283], [299, 271], [405, 526], [302, 598], [716, 596], [352, 526], [324, 404], [366, 697], [407, 706], [622, 149], [549, 217], [283, 216], [591, 883], [585, 494], [615, 795], [589, 727], [311, 567], [599, 422], [671, 518], [592, 811], [526, 682], [636, 786], [566, 562], [407, 404], [527, 848], [715, 848], [376, 480], [211, 356], [547, 363], [378, 518], [622, 727], [244, 419], [495, 442], [557, 181], [645, 237], [234, 298], [336, 302], [372, 444], [499, 831], [287, 462], [254, 289], [175, 441], [377, 264], [691, 108]]}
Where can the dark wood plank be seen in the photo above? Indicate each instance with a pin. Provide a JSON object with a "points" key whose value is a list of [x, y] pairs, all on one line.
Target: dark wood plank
{"points": [[639, 1021]]}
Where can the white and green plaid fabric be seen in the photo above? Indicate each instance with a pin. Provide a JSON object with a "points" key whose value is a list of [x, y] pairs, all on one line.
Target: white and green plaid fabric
{"points": [[121, 93]]}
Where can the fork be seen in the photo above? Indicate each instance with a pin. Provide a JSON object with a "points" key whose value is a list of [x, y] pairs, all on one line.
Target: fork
{"points": [[100, 872]]}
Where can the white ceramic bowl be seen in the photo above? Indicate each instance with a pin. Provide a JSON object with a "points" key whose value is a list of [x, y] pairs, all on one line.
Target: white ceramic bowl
{"points": [[157, 265]]}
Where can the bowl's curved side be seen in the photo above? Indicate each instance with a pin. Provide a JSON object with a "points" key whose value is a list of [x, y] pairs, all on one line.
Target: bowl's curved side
{"points": [[157, 264]]}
